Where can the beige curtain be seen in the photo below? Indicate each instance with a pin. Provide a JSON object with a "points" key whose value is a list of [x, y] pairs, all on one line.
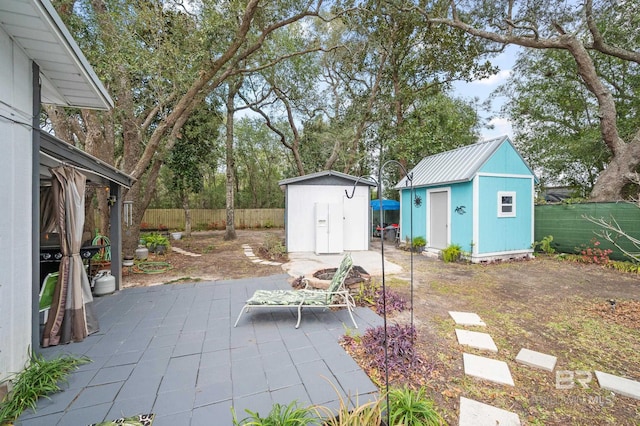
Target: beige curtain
{"points": [[71, 317], [48, 221]]}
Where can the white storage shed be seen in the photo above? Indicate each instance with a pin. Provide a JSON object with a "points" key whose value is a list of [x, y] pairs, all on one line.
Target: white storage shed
{"points": [[326, 212]]}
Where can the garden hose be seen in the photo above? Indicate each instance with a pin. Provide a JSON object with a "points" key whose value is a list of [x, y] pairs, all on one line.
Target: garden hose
{"points": [[151, 267], [105, 251]]}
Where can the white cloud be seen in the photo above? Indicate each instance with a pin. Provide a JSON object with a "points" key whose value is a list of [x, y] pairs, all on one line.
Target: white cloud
{"points": [[501, 127], [494, 79]]}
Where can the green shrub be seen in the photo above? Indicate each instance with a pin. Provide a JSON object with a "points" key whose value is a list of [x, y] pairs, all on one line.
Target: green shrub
{"points": [[273, 247], [280, 415], [545, 245], [418, 242], [39, 378], [452, 253], [154, 239], [411, 407]]}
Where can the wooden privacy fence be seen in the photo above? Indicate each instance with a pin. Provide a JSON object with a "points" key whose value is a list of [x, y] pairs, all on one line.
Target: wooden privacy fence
{"points": [[570, 230], [208, 219]]}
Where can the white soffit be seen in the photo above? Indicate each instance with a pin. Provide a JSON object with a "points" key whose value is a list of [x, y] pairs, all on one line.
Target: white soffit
{"points": [[67, 78]]}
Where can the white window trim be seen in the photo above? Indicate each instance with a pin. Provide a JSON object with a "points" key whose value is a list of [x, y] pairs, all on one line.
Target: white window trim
{"points": [[511, 194]]}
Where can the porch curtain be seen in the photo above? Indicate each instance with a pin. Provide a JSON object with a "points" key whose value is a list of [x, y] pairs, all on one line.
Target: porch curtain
{"points": [[71, 317]]}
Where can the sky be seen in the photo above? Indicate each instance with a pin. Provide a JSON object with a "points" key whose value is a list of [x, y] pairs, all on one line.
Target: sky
{"points": [[483, 89]]}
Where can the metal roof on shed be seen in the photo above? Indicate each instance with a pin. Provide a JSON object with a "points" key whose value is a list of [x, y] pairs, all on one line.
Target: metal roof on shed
{"points": [[326, 177], [458, 165]]}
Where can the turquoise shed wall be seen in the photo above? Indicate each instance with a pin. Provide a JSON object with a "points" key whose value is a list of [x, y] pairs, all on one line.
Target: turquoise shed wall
{"points": [[496, 234], [461, 215], [407, 208], [506, 161]]}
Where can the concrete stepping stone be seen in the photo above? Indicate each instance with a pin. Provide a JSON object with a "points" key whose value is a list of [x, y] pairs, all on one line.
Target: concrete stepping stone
{"points": [[476, 340], [466, 318], [187, 253], [620, 385], [487, 369], [474, 413], [536, 359]]}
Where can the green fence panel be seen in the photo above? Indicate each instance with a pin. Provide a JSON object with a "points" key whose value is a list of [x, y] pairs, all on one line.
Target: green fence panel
{"points": [[570, 230]]}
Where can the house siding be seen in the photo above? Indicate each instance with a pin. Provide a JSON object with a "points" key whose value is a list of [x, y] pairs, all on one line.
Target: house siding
{"points": [[15, 226], [462, 219], [419, 213]]}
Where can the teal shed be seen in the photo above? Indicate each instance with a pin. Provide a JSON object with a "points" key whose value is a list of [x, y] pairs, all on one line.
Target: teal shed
{"points": [[480, 197]]}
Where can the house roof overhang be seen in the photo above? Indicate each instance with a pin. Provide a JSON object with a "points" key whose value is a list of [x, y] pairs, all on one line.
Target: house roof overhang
{"points": [[325, 177], [66, 77]]}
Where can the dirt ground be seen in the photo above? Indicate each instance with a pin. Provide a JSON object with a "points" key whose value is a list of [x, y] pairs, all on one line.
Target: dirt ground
{"points": [[556, 307]]}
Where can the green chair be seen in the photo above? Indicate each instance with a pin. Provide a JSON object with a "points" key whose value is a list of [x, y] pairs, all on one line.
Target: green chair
{"points": [[335, 296], [46, 293]]}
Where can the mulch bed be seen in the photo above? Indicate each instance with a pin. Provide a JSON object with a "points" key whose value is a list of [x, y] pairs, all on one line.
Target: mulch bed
{"points": [[624, 312]]}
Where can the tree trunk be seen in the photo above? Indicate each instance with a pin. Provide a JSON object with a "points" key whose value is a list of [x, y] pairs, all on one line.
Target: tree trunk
{"points": [[187, 214], [619, 172], [230, 233]]}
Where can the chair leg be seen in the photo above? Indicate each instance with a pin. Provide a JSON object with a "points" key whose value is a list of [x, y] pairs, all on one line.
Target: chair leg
{"points": [[299, 315], [241, 312], [350, 305]]}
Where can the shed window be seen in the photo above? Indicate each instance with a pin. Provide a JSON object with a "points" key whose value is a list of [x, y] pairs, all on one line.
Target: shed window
{"points": [[506, 204]]}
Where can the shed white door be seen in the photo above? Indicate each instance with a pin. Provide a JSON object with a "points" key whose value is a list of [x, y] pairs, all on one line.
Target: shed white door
{"points": [[438, 219], [329, 229], [356, 220]]}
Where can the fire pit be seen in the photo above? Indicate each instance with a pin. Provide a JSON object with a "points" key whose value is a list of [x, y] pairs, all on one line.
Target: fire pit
{"points": [[321, 279]]}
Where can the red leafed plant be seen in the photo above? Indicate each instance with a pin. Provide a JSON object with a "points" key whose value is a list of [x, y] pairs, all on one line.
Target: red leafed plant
{"points": [[593, 253]]}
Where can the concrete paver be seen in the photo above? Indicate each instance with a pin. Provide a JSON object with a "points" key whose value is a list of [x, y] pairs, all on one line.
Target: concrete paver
{"points": [[626, 387], [474, 413], [467, 318], [487, 368], [476, 340], [536, 359], [174, 350]]}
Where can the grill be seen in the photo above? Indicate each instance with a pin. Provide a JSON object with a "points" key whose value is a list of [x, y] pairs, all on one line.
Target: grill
{"points": [[52, 253]]}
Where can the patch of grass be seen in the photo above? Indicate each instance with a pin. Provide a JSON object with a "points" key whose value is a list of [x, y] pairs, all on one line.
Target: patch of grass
{"points": [[40, 378]]}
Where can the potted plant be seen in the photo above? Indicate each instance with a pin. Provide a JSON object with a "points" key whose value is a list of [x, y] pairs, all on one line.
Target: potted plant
{"points": [[156, 243], [418, 243]]}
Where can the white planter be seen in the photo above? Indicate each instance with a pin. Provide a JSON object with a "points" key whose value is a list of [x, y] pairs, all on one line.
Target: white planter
{"points": [[176, 235]]}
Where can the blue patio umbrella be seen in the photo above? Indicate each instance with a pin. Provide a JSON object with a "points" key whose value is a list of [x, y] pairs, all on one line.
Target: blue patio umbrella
{"points": [[386, 205]]}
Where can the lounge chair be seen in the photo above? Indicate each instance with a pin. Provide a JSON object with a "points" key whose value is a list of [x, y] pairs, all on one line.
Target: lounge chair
{"points": [[335, 296]]}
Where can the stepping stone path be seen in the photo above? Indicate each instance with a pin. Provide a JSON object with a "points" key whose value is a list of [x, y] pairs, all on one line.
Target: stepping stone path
{"points": [[620, 385], [248, 251], [186, 253], [479, 414], [467, 318], [488, 369], [536, 359], [476, 340], [474, 413]]}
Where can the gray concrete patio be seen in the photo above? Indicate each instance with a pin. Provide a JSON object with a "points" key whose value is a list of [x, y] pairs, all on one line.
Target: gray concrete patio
{"points": [[172, 350]]}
